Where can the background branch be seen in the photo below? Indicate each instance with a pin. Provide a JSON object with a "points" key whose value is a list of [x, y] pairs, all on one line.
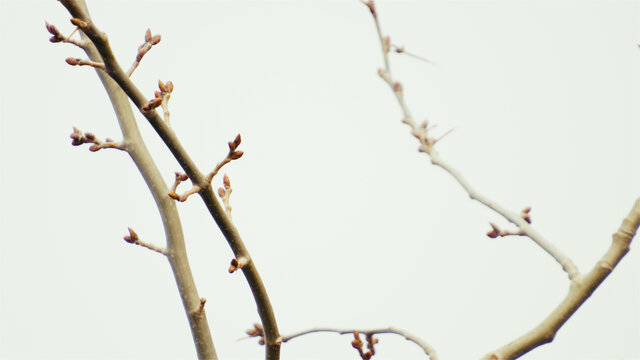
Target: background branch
{"points": [[429, 351]]}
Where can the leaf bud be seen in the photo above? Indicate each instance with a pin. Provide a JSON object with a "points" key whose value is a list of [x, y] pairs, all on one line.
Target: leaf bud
{"points": [[237, 155]]}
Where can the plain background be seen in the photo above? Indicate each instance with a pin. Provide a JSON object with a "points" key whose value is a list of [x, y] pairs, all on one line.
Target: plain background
{"points": [[349, 225]]}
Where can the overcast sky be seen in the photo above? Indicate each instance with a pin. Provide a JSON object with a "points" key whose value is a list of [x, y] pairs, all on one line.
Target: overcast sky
{"points": [[349, 225]]}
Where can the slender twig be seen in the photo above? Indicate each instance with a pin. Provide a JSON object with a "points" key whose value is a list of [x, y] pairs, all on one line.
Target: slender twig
{"points": [[402, 50], [168, 136], [427, 146], [430, 351], [133, 238]]}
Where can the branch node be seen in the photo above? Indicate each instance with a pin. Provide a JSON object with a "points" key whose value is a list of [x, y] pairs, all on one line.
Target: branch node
{"points": [[237, 264]]}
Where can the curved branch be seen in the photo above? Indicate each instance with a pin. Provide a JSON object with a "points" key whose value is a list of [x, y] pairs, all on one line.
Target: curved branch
{"points": [[428, 350], [228, 229], [579, 292], [427, 146]]}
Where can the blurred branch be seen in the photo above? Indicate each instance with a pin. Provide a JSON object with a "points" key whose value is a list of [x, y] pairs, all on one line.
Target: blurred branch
{"points": [[428, 350], [427, 143], [582, 286], [579, 292]]}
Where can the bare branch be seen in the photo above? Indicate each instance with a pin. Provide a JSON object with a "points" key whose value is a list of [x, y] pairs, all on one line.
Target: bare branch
{"points": [[228, 229], [428, 350], [176, 250], [427, 146], [581, 289]]}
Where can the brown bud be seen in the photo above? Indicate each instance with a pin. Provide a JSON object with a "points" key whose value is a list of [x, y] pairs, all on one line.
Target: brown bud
{"points": [[128, 239], [155, 39], [169, 86], [221, 192], [94, 148], [51, 29], [147, 35], [89, 136], [237, 155], [237, 140], [232, 146], [108, 139], [133, 234], [184, 177], [174, 196], [79, 23], [226, 181], [157, 94], [161, 85]]}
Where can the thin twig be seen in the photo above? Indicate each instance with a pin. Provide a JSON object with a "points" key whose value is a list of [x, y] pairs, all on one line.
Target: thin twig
{"points": [[430, 351], [427, 146]]}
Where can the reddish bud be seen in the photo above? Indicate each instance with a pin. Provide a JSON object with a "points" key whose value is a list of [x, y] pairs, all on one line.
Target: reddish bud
{"points": [[232, 146], [94, 148], [226, 181], [397, 87], [237, 140], [147, 35], [51, 29], [237, 155], [155, 39], [128, 239], [162, 86], [108, 139], [169, 86], [221, 192], [89, 136], [72, 61], [157, 94]]}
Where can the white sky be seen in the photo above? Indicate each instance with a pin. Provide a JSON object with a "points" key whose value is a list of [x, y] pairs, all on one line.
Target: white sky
{"points": [[349, 225]]}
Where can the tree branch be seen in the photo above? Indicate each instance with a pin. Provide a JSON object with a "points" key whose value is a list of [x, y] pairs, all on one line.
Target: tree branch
{"points": [[427, 146], [113, 69], [176, 250], [428, 350], [579, 292]]}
